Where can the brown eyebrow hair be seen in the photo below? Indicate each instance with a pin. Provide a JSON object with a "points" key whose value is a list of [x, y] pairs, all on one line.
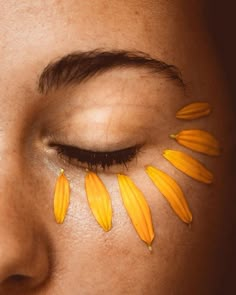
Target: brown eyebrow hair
{"points": [[78, 67]]}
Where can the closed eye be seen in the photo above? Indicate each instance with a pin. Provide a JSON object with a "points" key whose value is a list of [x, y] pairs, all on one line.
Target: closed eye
{"points": [[93, 159]]}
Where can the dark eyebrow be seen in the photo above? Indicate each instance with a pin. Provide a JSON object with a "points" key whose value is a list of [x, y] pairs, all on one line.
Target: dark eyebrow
{"points": [[77, 67]]}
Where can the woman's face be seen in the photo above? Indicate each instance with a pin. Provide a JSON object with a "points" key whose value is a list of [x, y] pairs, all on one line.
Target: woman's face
{"points": [[112, 109]]}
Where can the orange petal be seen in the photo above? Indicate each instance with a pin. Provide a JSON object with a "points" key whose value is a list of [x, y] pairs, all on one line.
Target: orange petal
{"points": [[199, 141], [171, 191], [61, 197], [189, 166], [99, 200], [137, 209], [194, 110]]}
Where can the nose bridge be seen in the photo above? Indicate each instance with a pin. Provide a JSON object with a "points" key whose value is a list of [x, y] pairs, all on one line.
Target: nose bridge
{"points": [[11, 176], [12, 200], [24, 243], [11, 165], [11, 144], [15, 115], [11, 151]]}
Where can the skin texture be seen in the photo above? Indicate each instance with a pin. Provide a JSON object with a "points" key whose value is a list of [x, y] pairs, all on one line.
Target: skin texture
{"points": [[37, 256]]}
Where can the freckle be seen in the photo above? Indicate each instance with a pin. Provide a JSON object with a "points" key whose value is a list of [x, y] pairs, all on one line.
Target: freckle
{"points": [[136, 12]]}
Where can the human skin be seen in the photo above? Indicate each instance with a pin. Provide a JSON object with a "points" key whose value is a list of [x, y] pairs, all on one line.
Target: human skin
{"points": [[38, 256]]}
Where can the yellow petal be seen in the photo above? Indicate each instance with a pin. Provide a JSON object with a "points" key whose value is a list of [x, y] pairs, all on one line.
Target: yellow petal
{"points": [[194, 110], [189, 165], [171, 191], [137, 209], [99, 200], [61, 197], [199, 141]]}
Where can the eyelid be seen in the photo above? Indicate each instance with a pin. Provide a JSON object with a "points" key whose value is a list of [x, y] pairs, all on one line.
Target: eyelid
{"points": [[95, 159], [88, 142]]}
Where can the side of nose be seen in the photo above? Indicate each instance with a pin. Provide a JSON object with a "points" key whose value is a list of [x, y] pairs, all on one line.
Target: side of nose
{"points": [[24, 260]]}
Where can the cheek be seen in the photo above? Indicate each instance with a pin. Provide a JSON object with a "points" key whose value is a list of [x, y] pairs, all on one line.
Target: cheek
{"points": [[98, 258], [81, 247]]}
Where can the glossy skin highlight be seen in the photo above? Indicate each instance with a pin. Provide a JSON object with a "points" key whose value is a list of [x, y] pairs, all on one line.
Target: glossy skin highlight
{"points": [[38, 256]]}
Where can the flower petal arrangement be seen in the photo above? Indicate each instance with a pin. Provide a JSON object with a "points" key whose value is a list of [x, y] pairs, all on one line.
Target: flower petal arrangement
{"points": [[134, 201]]}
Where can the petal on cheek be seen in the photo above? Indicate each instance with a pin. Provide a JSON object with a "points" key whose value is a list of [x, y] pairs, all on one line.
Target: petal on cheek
{"points": [[137, 209], [171, 191], [99, 200], [61, 197], [189, 166]]}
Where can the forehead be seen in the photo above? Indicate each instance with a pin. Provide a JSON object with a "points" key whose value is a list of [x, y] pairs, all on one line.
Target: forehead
{"points": [[72, 25], [36, 32], [55, 15]]}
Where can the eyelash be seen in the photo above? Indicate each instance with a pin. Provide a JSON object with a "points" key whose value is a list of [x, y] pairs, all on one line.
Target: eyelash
{"points": [[93, 159]]}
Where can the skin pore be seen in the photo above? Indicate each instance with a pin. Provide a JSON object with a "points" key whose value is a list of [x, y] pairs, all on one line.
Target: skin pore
{"points": [[110, 111]]}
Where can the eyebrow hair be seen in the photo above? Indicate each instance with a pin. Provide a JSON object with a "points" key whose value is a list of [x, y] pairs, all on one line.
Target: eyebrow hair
{"points": [[78, 67]]}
